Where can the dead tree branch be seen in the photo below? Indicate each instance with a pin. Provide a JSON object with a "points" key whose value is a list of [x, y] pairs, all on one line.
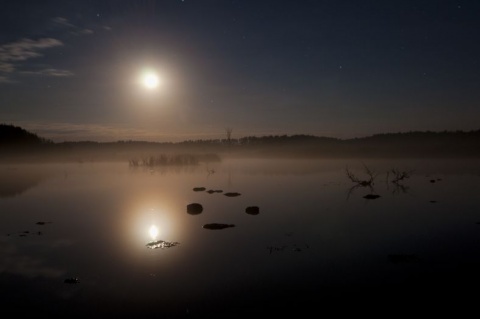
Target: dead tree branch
{"points": [[365, 182], [399, 176]]}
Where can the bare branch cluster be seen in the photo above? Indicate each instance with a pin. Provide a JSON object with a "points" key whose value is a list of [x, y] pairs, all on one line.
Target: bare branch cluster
{"points": [[397, 179], [365, 182], [399, 176]]}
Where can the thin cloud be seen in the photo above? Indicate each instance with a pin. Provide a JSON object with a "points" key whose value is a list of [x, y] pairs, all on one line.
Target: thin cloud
{"points": [[25, 49], [62, 22], [82, 32], [50, 72], [4, 79], [6, 67], [13, 54]]}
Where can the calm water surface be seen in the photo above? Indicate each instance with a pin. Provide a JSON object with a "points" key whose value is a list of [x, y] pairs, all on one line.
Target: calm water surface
{"points": [[317, 244]]}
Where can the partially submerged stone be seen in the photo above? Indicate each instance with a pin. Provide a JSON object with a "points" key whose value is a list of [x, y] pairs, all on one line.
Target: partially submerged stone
{"points": [[252, 210], [211, 191], [162, 244], [217, 226], [232, 194], [194, 208], [199, 189]]}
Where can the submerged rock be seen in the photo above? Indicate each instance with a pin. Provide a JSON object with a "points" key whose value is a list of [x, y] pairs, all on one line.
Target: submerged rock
{"points": [[371, 196], [232, 194], [217, 226], [210, 191], [194, 208], [252, 210], [199, 189]]}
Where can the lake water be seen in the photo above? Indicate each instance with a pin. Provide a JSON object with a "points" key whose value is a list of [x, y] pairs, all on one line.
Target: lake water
{"points": [[316, 244]]}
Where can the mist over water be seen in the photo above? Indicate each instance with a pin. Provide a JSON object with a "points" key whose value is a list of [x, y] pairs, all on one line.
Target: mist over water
{"points": [[314, 236]]}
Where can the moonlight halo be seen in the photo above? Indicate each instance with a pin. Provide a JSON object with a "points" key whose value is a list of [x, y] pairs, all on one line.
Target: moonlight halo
{"points": [[150, 80]]}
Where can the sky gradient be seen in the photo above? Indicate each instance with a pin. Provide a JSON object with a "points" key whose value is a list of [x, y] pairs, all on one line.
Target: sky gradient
{"points": [[69, 70]]}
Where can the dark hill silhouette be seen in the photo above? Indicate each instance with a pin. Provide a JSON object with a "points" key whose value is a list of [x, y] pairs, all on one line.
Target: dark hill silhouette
{"points": [[15, 135]]}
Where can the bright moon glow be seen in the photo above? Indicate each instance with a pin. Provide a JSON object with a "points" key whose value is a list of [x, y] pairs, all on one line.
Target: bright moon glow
{"points": [[153, 231], [150, 80]]}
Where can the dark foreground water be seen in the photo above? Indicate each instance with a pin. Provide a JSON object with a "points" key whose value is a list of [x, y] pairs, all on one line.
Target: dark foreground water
{"points": [[73, 239]]}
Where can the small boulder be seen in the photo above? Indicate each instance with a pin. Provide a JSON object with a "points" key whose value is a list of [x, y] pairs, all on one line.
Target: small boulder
{"points": [[215, 226], [232, 194], [194, 208], [199, 189], [252, 210], [371, 196]]}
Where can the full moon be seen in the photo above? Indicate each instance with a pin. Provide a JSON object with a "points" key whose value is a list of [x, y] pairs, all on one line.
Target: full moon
{"points": [[150, 80]]}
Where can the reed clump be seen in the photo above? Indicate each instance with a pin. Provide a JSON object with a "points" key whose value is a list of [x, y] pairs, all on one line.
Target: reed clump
{"points": [[173, 160]]}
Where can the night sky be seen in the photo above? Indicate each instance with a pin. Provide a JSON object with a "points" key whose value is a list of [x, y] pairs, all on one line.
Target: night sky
{"points": [[71, 70]]}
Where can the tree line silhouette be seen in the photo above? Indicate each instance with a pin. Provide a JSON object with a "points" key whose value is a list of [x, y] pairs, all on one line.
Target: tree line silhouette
{"points": [[16, 140]]}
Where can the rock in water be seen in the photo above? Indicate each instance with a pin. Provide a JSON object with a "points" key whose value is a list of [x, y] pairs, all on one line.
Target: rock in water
{"points": [[252, 210], [194, 208], [199, 189], [232, 194], [217, 226]]}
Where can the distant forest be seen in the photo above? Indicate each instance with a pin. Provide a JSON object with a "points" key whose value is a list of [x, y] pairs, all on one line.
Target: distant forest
{"points": [[19, 144]]}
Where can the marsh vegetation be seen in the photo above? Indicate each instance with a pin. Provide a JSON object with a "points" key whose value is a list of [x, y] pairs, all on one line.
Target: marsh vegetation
{"points": [[174, 160]]}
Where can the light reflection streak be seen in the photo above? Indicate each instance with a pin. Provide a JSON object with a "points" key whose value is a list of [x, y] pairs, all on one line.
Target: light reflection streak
{"points": [[158, 224], [153, 231]]}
